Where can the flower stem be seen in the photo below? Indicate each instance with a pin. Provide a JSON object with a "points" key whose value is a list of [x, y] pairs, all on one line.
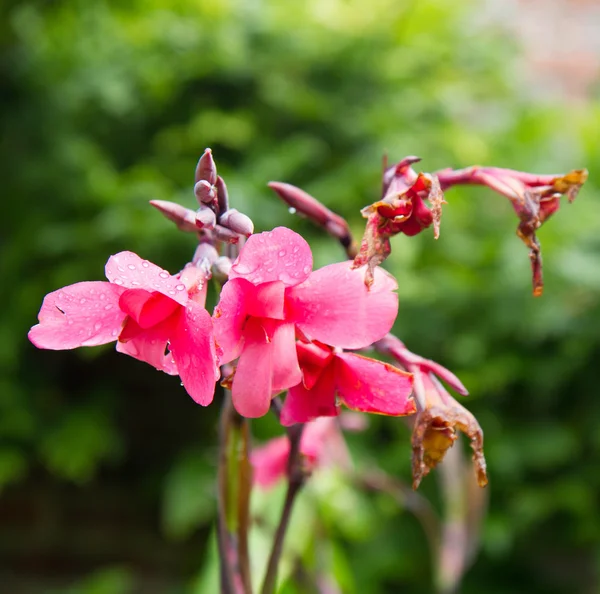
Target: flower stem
{"points": [[234, 486], [296, 477]]}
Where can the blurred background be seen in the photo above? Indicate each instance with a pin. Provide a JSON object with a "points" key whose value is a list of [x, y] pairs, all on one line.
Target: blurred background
{"points": [[107, 466]]}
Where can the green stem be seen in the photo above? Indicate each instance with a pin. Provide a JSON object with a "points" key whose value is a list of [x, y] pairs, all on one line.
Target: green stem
{"points": [[296, 478]]}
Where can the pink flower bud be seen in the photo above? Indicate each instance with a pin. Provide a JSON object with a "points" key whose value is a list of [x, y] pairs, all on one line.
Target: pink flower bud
{"points": [[205, 192], [237, 221], [205, 218], [225, 234], [184, 218], [222, 195], [221, 268], [205, 252], [206, 169]]}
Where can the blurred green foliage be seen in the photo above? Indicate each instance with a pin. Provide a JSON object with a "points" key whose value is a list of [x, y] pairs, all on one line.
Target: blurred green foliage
{"points": [[109, 104]]}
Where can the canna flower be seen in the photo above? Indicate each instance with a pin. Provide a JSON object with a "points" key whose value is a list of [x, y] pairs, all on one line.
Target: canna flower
{"points": [[272, 294], [332, 377], [401, 210], [321, 444], [153, 316]]}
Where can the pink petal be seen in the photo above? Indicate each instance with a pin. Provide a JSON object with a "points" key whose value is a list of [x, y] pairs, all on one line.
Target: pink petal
{"points": [[270, 461], [193, 349], [252, 383], [323, 443], [147, 309], [83, 314], [128, 270], [149, 345], [302, 405], [230, 316], [335, 307], [278, 255], [313, 358], [267, 300], [286, 370], [368, 385]]}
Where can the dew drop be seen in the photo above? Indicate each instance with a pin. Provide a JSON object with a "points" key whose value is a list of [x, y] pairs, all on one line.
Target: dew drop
{"points": [[82, 300], [180, 287], [296, 249], [97, 326], [131, 266], [163, 274], [171, 292], [292, 210], [306, 270], [135, 283], [118, 281], [102, 296], [145, 264], [281, 253], [108, 306], [120, 269]]}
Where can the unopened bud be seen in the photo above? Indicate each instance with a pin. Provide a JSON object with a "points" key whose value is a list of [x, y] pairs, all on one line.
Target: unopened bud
{"points": [[205, 252], [222, 195], [184, 218], [221, 268], [310, 207], [237, 221], [225, 234], [206, 169], [205, 218], [205, 192]]}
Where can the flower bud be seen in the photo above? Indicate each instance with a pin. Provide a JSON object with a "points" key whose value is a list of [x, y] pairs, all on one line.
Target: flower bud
{"points": [[184, 218], [222, 195], [225, 234], [221, 267], [205, 252], [206, 169], [205, 218], [237, 221], [205, 192]]}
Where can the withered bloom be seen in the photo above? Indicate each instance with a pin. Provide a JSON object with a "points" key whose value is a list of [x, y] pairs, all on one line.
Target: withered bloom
{"points": [[401, 210], [439, 416], [533, 197]]}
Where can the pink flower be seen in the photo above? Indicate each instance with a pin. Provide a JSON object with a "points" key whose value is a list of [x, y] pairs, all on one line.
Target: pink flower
{"points": [[272, 294], [321, 444], [332, 377], [147, 311]]}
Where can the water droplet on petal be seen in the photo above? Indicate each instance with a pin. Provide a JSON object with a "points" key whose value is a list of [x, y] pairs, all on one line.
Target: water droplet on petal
{"points": [[163, 274], [108, 306], [120, 269], [97, 326], [180, 287], [82, 300], [306, 270], [118, 281], [102, 296], [292, 210], [135, 283], [282, 253], [296, 249], [145, 264], [131, 266], [171, 292]]}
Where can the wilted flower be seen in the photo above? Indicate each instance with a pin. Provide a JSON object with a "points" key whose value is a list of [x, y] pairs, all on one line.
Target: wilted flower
{"points": [[153, 316], [272, 294], [401, 210], [331, 377]]}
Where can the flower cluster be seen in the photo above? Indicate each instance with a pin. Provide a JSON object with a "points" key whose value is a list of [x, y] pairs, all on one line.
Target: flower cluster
{"points": [[280, 326]]}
